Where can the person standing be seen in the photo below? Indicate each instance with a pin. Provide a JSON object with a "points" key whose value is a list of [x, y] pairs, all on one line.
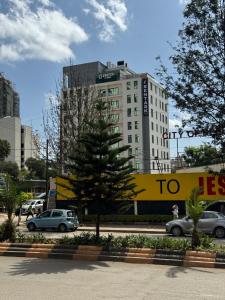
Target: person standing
{"points": [[175, 211], [18, 213]]}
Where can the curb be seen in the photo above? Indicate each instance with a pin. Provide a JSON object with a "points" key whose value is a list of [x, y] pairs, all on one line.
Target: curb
{"points": [[129, 255]]}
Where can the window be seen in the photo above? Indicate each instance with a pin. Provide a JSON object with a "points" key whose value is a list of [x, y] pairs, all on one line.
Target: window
{"points": [[115, 118], [152, 113], [162, 106], [156, 101], [165, 107], [113, 91], [135, 84], [45, 214], [153, 165], [160, 119], [157, 128], [137, 165], [57, 214], [153, 152], [152, 139], [150, 86], [157, 140], [115, 129], [130, 152], [129, 112], [135, 111], [102, 93], [129, 125], [129, 138], [156, 89], [128, 85], [166, 119], [152, 124], [136, 124], [135, 98], [128, 98], [137, 139], [163, 118], [136, 151], [151, 99], [115, 104], [156, 115]]}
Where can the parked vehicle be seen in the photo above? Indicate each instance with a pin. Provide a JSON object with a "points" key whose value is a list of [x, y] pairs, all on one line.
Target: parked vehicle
{"points": [[211, 222], [37, 204], [60, 219]]}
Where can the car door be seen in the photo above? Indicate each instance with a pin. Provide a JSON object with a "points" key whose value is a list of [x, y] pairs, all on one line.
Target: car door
{"points": [[56, 218], [207, 222], [43, 220]]}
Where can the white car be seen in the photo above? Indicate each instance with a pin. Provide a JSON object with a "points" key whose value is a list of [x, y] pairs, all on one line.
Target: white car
{"points": [[35, 203]]}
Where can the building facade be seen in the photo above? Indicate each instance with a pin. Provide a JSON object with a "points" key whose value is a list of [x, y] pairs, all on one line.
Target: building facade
{"points": [[138, 109], [9, 99]]}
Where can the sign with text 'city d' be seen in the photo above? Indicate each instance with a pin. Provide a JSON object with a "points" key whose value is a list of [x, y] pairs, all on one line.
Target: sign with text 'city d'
{"points": [[178, 186]]}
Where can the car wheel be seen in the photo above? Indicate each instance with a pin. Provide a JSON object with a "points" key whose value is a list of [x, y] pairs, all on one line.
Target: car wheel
{"points": [[176, 231], [219, 232], [62, 227], [31, 227]]}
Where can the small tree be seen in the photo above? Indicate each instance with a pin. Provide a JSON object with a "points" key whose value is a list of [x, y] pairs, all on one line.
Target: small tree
{"points": [[195, 207], [4, 149], [102, 174]]}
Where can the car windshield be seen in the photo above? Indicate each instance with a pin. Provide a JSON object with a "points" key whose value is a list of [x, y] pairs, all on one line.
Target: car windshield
{"points": [[29, 202], [221, 215]]}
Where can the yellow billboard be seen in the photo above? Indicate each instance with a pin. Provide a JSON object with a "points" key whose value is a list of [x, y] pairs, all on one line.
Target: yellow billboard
{"points": [[165, 187]]}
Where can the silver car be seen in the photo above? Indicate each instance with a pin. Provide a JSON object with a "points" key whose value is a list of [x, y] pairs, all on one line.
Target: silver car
{"points": [[211, 222], [60, 219]]}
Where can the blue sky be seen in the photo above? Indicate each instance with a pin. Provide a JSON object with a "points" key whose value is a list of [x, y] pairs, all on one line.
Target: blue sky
{"points": [[39, 37]]}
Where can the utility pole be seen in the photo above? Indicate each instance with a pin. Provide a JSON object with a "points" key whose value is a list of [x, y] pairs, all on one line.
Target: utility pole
{"points": [[46, 172]]}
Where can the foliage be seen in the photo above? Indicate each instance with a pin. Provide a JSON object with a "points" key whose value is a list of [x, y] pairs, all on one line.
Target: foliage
{"points": [[37, 169], [8, 231], [22, 197], [102, 173], [4, 149], [9, 197], [34, 238], [10, 168], [198, 59], [195, 207], [202, 155]]}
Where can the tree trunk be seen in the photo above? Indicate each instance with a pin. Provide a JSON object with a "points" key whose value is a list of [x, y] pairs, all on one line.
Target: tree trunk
{"points": [[195, 241]]}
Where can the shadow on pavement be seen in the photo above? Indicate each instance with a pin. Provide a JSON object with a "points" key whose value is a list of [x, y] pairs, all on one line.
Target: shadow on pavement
{"points": [[173, 272], [29, 266]]}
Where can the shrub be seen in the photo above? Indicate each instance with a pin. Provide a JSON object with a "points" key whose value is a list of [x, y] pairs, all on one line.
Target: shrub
{"points": [[8, 231]]}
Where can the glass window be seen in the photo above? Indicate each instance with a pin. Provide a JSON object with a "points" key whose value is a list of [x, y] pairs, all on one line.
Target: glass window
{"points": [[162, 106], [128, 85], [163, 118], [152, 113], [157, 128], [152, 124], [156, 101], [57, 214], [166, 119], [157, 140], [129, 138], [136, 124], [156, 89], [160, 119], [153, 152], [130, 152], [165, 107], [136, 151], [113, 91], [129, 112], [137, 165], [135, 98], [129, 125], [128, 98], [115, 104], [45, 214], [152, 139], [156, 115], [115, 129], [115, 118], [153, 165], [135, 84], [135, 111], [137, 139], [151, 86]]}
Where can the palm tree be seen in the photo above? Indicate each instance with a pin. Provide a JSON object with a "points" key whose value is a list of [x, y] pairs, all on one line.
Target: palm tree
{"points": [[195, 207]]}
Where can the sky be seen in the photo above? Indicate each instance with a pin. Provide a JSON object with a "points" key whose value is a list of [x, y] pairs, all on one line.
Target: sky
{"points": [[39, 37]]}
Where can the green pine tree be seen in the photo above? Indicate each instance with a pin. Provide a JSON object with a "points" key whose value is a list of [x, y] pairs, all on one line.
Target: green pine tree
{"points": [[102, 174]]}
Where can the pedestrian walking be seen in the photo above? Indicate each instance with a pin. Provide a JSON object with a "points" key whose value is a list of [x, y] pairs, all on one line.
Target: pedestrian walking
{"points": [[30, 212], [175, 211], [18, 213]]}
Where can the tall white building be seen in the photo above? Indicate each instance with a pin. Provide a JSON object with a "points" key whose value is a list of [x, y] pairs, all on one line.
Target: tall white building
{"points": [[20, 139], [139, 109]]}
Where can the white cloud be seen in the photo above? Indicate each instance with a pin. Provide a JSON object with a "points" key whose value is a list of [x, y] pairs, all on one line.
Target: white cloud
{"points": [[177, 118], [37, 32], [112, 15], [183, 2]]}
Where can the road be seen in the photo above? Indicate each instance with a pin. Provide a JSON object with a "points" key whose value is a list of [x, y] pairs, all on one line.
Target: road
{"points": [[23, 278]]}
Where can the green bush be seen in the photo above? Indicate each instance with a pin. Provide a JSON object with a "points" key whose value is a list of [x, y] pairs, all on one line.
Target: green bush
{"points": [[8, 231], [34, 238]]}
